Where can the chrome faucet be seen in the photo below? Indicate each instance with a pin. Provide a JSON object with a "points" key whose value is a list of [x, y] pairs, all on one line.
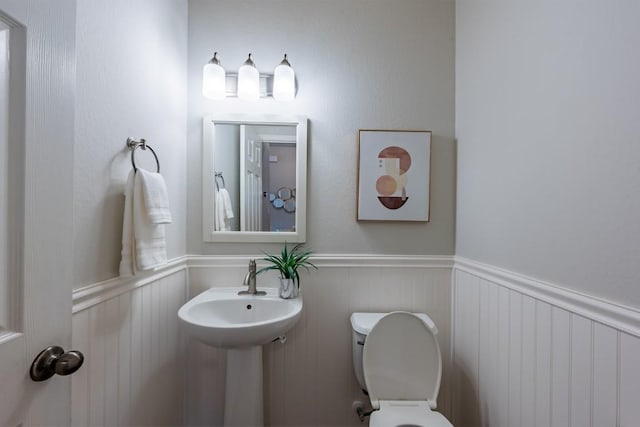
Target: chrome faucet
{"points": [[250, 281]]}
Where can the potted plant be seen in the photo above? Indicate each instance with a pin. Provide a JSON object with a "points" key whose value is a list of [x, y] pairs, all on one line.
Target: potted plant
{"points": [[288, 264]]}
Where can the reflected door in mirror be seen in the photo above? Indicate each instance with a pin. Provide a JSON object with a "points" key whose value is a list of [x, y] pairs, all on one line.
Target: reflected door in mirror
{"points": [[250, 180]]}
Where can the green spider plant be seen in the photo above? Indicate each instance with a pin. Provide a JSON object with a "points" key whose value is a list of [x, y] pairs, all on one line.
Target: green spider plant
{"points": [[288, 262]]}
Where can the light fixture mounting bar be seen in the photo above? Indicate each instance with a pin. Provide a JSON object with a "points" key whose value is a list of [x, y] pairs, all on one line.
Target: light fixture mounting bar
{"points": [[266, 85]]}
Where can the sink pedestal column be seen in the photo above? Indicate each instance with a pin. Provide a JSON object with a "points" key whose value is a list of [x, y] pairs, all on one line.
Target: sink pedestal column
{"points": [[243, 392]]}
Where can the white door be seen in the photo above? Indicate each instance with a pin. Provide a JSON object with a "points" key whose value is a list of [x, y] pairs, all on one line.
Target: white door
{"points": [[250, 181], [36, 210]]}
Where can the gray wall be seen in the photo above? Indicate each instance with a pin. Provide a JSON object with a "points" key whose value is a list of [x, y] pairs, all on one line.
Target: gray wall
{"points": [[547, 101], [130, 81], [227, 162], [360, 64]]}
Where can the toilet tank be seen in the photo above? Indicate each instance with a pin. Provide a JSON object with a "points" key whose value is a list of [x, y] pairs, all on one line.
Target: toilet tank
{"points": [[361, 324]]}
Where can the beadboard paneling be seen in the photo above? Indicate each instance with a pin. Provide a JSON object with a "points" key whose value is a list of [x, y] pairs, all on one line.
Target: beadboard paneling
{"points": [[134, 356], [309, 380], [629, 380], [523, 358]]}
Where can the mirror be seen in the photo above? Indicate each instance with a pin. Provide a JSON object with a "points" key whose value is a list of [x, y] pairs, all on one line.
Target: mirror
{"points": [[254, 178]]}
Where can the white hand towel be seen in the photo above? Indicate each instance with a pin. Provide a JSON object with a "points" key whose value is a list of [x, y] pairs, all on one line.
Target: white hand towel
{"points": [[143, 243], [150, 244], [155, 195], [127, 262]]}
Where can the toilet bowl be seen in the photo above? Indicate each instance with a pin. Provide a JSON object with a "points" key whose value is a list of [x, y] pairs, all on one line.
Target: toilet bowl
{"points": [[397, 360]]}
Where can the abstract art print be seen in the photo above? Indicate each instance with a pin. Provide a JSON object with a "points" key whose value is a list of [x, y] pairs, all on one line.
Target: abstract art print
{"points": [[393, 175]]}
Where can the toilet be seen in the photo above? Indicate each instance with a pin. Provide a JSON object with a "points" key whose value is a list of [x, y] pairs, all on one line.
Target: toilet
{"points": [[396, 358]]}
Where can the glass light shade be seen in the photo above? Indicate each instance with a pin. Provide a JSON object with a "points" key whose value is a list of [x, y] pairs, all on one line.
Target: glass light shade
{"points": [[214, 84], [248, 80], [284, 81]]}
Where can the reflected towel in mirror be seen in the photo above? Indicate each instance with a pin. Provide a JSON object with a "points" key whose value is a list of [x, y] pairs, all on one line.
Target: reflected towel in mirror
{"points": [[223, 211]]}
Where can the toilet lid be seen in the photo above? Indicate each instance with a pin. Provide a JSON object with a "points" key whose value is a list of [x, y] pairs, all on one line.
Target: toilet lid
{"points": [[401, 360]]}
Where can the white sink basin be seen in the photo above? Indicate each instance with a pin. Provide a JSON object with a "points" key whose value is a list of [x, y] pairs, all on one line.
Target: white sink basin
{"points": [[222, 318]]}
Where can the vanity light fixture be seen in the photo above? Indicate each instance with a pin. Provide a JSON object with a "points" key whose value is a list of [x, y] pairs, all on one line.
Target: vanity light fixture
{"points": [[248, 82], [284, 81], [214, 82]]}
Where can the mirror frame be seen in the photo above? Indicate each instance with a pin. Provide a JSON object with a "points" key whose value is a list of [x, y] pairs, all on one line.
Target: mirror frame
{"points": [[208, 144]]}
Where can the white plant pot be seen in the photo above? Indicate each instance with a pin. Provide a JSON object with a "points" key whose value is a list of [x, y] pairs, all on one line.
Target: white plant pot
{"points": [[288, 289]]}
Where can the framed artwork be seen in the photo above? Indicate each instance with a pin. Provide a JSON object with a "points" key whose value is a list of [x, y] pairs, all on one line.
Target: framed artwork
{"points": [[394, 169]]}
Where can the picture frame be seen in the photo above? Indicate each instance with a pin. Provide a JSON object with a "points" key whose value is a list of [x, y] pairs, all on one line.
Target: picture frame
{"points": [[394, 170]]}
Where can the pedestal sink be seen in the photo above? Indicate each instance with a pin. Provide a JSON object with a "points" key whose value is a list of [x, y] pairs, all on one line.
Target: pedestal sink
{"points": [[241, 324]]}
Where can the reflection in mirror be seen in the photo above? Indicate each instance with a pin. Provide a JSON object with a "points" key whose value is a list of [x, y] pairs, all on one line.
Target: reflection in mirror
{"points": [[5, 294], [253, 169], [255, 160]]}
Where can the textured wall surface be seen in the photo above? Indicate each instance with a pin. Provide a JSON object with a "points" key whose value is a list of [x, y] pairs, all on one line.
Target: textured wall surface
{"points": [[130, 81], [360, 65], [547, 129]]}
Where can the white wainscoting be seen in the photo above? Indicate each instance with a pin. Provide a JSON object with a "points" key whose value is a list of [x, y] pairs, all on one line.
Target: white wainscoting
{"points": [[134, 367], [309, 380], [528, 353], [134, 372]]}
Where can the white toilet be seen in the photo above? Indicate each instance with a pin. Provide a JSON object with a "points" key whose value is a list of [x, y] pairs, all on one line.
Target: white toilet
{"points": [[397, 360]]}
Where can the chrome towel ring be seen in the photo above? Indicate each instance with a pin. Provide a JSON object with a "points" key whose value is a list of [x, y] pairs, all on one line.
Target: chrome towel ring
{"points": [[142, 143]]}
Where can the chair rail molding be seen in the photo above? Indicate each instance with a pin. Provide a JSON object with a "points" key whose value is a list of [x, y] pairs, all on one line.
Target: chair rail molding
{"points": [[93, 294], [622, 318], [96, 293], [332, 260]]}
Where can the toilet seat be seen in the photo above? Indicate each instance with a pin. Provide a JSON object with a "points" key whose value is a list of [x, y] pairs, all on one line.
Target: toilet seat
{"points": [[407, 414], [402, 370]]}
